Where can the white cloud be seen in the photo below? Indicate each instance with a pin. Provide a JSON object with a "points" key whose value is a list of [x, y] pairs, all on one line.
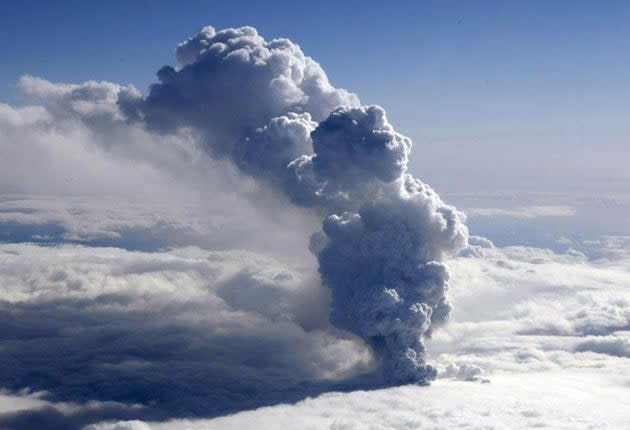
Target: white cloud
{"points": [[523, 211], [563, 400], [15, 402], [549, 331], [616, 345], [146, 327]]}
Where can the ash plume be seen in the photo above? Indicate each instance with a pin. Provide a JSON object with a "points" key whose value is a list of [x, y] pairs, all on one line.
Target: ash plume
{"points": [[273, 113]]}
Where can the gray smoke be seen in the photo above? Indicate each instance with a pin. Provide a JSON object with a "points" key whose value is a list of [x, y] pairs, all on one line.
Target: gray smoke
{"points": [[272, 111], [383, 265], [232, 82]]}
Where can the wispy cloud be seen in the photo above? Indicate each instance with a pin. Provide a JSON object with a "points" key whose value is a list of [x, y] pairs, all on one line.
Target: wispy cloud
{"points": [[525, 212]]}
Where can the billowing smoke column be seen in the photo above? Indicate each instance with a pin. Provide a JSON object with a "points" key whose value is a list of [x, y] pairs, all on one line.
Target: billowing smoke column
{"points": [[272, 111]]}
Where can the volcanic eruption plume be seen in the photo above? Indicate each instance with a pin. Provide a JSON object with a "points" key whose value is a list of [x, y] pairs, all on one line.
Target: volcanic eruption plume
{"points": [[271, 110]]}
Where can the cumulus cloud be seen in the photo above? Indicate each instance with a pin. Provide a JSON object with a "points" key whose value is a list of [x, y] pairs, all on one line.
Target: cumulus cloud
{"points": [[522, 309], [241, 329], [548, 333], [463, 372], [615, 345]]}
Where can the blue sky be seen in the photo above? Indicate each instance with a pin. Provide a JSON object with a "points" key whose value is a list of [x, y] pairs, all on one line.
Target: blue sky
{"points": [[497, 96], [489, 79]]}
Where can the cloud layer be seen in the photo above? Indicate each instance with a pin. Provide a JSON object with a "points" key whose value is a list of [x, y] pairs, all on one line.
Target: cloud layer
{"points": [[512, 401], [166, 330], [535, 336]]}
